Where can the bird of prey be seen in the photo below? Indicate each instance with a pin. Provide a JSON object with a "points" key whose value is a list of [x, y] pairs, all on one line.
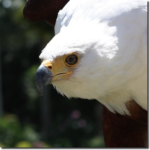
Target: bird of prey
{"points": [[99, 51]]}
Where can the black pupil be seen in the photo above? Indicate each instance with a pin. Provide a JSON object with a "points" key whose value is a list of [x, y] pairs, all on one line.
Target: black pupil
{"points": [[71, 60]]}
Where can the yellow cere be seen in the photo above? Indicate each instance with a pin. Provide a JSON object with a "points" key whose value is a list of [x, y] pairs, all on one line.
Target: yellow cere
{"points": [[58, 68]]}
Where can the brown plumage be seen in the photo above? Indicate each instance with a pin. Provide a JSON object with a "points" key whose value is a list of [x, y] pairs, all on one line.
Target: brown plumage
{"points": [[40, 10], [119, 130], [126, 131]]}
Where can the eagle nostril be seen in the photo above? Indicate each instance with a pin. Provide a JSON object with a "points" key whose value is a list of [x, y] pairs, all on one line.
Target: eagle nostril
{"points": [[50, 67]]}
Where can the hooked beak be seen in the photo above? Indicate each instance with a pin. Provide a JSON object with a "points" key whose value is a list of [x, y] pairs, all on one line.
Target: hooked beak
{"points": [[43, 77]]}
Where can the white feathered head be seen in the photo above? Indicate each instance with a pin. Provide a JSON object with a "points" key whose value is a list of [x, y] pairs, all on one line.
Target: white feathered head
{"points": [[88, 61], [99, 52]]}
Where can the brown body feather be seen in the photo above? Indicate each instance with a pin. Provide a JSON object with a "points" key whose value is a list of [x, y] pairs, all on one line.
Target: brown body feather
{"points": [[126, 131], [40, 10]]}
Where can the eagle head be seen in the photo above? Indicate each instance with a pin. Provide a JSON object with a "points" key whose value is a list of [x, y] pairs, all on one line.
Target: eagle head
{"points": [[88, 64]]}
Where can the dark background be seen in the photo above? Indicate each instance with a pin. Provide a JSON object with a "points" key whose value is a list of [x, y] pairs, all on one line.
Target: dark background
{"points": [[26, 119]]}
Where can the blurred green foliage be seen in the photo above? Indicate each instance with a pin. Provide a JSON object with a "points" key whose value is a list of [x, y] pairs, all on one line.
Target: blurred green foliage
{"points": [[36, 122], [13, 135]]}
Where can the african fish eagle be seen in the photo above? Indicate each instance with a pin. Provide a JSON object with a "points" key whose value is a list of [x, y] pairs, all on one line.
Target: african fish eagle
{"points": [[99, 51]]}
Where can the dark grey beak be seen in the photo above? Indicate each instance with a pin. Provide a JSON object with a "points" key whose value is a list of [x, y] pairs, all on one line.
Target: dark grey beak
{"points": [[43, 77]]}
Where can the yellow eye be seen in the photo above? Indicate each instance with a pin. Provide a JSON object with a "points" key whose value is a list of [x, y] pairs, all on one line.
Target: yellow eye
{"points": [[71, 60]]}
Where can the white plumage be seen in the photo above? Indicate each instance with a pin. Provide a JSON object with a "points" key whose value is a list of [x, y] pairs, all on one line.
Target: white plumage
{"points": [[110, 38]]}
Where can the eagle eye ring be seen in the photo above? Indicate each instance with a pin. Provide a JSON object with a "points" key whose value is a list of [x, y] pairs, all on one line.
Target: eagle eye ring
{"points": [[71, 60]]}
